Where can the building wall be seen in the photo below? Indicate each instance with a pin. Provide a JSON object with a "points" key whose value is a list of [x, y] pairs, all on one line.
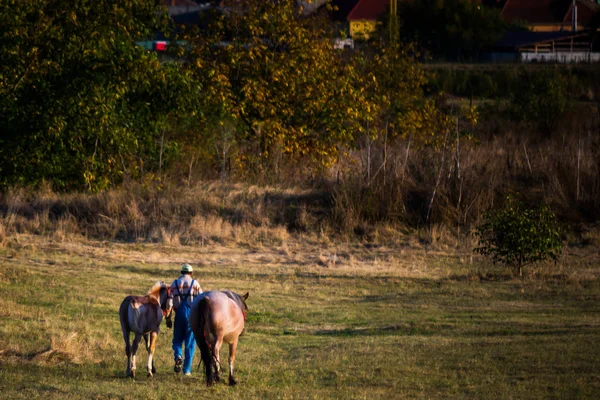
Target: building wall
{"points": [[362, 29], [553, 27]]}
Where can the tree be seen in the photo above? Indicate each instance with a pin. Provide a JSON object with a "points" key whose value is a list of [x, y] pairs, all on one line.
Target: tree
{"points": [[456, 29], [394, 105], [276, 77], [542, 99], [82, 105], [517, 236]]}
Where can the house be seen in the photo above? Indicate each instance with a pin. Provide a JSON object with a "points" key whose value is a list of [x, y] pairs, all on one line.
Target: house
{"points": [[363, 18], [549, 46], [551, 15], [553, 34], [536, 15]]}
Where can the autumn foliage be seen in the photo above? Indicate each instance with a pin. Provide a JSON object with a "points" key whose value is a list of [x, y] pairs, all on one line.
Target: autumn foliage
{"points": [[259, 94]]}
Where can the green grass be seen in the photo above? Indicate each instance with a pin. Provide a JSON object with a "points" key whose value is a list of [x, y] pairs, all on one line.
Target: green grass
{"points": [[378, 324]]}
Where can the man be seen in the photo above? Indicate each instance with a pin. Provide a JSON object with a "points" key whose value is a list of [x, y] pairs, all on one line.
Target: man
{"points": [[184, 291]]}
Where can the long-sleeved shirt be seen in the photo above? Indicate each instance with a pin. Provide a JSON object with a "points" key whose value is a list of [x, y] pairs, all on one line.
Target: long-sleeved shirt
{"points": [[183, 283]]}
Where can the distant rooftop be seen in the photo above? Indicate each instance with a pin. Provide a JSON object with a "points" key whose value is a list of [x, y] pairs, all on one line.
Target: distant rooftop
{"points": [[548, 11], [368, 10]]}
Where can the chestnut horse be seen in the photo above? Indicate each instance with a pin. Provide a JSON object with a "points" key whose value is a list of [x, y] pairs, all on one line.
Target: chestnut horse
{"points": [[142, 315], [218, 317]]}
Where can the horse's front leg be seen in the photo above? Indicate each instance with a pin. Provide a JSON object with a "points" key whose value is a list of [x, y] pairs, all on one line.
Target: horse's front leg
{"points": [[134, 348], [151, 346], [232, 348]]}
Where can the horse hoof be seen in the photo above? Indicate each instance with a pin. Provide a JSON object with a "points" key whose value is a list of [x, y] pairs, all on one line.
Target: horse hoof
{"points": [[132, 375], [232, 382], [149, 375]]}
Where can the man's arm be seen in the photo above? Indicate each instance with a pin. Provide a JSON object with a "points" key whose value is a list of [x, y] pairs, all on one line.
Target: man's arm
{"points": [[197, 288]]}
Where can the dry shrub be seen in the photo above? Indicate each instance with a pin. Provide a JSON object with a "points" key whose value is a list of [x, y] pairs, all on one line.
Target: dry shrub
{"points": [[135, 219], [407, 188], [591, 238], [204, 229], [169, 237], [439, 236], [278, 234], [66, 228], [64, 348], [3, 234]]}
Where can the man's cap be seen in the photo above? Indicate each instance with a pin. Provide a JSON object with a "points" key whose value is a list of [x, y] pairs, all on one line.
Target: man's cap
{"points": [[187, 268]]}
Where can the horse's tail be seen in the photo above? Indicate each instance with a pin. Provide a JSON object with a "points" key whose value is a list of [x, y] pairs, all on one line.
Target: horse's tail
{"points": [[124, 319], [206, 349]]}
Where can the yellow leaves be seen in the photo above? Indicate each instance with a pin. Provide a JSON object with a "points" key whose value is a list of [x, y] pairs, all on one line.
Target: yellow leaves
{"points": [[471, 114]]}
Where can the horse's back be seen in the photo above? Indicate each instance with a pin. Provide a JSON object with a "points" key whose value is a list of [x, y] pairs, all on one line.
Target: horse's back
{"points": [[220, 311], [139, 316]]}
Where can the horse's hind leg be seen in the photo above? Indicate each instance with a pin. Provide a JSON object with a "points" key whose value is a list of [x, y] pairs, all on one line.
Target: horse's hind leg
{"points": [[217, 346], [232, 348], [127, 352], [134, 348], [150, 340]]}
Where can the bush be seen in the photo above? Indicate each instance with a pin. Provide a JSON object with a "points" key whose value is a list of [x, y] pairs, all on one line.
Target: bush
{"points": [[517, 236], [542, 99]]}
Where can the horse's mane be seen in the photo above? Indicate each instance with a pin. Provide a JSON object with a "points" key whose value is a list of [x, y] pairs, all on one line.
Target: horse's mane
{"points": [[153, 294]]}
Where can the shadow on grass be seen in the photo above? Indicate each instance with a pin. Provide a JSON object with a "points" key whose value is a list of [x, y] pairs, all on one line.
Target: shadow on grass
{"points": [[446, 330], [386, 330], [156, 272], [27, 364]]}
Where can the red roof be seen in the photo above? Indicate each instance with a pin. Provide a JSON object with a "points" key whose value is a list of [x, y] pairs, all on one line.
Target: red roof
{"points": [[532, 11], [368, 10], [546, 11]]}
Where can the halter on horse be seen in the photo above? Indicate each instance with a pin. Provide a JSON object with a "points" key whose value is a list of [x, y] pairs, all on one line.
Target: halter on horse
{"points": [[142, 315], [217, 317]]}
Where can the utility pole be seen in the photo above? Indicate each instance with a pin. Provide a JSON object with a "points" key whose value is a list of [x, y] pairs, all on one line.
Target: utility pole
{"points": [[393, 22], [574, 16]]}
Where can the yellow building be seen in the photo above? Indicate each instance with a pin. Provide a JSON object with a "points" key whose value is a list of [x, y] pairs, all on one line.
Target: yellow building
{"points": [[364, 17]]}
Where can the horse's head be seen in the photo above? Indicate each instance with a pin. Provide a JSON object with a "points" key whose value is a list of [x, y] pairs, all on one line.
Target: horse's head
{"points": [[166, 300], [162, 294], [244, 298], [244, 305]]}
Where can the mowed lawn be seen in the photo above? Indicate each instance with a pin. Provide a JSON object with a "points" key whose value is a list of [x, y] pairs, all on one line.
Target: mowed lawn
{"points": [[325, 320]]}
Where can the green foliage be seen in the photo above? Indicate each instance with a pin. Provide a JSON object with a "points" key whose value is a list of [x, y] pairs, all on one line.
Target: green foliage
{"points": [[517, 236], [82, 105], [468, 83], [277, 78], [454, 29], [542, 99], [392, 96]]}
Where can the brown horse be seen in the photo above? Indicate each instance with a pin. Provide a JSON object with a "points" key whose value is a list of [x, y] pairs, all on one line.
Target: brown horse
{"points": [[142, 315], [217, 317]]}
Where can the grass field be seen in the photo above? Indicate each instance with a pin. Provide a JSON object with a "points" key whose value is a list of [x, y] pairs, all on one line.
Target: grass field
{"points": [[326, 320]]}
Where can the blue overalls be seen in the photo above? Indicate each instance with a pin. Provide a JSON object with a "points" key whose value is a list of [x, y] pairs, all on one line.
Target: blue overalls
{"points": [[182, 332]]}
